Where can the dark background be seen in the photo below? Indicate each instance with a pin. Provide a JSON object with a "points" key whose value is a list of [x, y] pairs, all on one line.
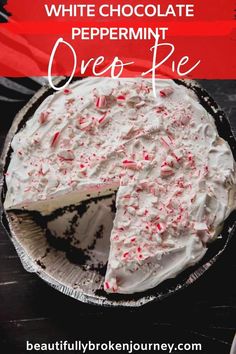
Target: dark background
{"points": [[31, 310], [3, 10]]}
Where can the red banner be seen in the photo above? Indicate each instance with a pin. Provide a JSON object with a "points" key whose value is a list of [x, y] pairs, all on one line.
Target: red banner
{"points": [[172, 38]]}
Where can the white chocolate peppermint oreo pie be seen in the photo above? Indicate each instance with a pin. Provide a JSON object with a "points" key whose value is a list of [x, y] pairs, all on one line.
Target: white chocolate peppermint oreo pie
{"points": [[175, 177]]}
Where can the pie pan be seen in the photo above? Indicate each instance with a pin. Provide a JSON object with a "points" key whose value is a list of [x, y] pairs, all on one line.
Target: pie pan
{"points": [[61, 263]]}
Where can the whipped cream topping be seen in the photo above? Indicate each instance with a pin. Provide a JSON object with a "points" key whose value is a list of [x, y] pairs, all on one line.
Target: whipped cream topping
{"points": [[175, 176]]}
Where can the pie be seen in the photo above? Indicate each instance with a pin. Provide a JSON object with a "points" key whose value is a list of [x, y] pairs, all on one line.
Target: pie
{"points": [[174, 176]]}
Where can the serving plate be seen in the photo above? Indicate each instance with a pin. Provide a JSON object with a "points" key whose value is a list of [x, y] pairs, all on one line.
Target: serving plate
{"points": [[75, 267]]}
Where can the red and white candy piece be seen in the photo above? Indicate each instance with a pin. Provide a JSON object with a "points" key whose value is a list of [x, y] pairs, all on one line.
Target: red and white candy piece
{"points": [[120, 98], [55, 139], [43, 118], [169, 161], [166, 170], [126, 255], [103, 119], [166, 91], [161, 227], [142, 88], [130, 132], [165, 143], [80, 120], [100, 101], [140, 104], [84, 123], [133, 165], [67, 91], [191, 160], [177, 155], [106, 285], [111, 285]]}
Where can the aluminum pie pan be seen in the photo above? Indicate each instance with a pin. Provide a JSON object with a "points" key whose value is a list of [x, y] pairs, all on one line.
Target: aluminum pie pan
{"points": [[86, 285]]}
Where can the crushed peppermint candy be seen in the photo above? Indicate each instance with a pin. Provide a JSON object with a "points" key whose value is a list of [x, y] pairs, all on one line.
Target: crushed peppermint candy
{"points": [[104, 119], [166, 170], [43, 118], [120, 98], [67, 91], [55, 139], [166, 91], [130, 164], [101, 102]]}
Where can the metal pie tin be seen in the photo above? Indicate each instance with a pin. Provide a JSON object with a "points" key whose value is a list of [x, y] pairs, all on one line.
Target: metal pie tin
{"points": [[51, 263]]}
